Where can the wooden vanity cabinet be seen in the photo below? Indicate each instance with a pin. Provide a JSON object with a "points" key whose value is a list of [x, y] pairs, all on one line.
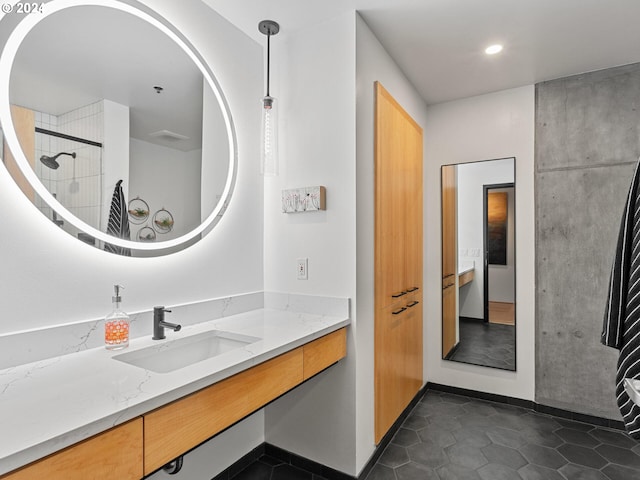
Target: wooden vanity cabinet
{"points": [[449, 319], [400, 375], [465, 278], [324, 352], [180, 426], [145, 444], [116, 453]]}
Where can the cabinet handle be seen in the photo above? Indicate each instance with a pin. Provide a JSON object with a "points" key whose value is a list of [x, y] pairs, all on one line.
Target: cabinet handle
{"points": [[396, 295], [413, 304], [398, 312], [412, 289]]}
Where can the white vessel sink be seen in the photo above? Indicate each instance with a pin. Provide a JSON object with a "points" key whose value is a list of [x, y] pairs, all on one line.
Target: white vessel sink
{"points": [[182, 352]]}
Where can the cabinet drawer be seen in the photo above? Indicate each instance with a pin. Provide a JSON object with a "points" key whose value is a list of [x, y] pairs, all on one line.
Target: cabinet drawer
{"points": [[116, 453], [398, 373], [178, 427], [324, 352]]}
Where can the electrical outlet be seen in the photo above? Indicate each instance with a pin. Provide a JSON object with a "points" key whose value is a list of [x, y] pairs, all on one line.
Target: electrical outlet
{"points": [[302, 266]]}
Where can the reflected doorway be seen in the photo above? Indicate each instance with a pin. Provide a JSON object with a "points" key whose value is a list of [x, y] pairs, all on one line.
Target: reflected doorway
{"points": [[499, 258]]}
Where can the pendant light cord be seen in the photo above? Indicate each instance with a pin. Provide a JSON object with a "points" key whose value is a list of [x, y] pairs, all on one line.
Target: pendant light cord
{"points": [[268, 60], [268, 28]]}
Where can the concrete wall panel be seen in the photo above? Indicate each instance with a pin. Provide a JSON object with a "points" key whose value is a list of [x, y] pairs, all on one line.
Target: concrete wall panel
{"points": [[587, 142], [578, 217], [588, 119]]}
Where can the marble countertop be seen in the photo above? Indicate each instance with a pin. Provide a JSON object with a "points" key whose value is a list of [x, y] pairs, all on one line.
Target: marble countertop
{"points": [[464, 267], [52, 403]]}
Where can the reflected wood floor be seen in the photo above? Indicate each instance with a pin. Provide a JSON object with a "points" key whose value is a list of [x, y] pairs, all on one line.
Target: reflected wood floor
{"points": [[502, 313]]}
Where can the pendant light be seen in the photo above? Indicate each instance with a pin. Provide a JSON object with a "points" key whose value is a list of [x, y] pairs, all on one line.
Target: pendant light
{"points": [[269, 145]]}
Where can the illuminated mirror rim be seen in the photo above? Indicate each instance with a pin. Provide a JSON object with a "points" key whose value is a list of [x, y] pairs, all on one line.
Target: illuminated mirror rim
{"points": [[7, 58]]}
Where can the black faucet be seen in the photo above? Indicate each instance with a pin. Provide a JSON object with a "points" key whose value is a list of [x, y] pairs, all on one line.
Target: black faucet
{"points": [[159, 324]]}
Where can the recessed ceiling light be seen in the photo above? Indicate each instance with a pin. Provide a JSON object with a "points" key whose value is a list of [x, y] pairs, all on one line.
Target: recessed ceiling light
{"points": [[493, 49]]}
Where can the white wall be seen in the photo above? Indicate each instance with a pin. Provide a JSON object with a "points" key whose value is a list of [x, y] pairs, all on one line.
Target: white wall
{"points": [[326, 141], [496, 125], [313, 78], [373, 64], [169, 179], [214, 147], [115, 154], [470, 220], [317, 147], [50, 278]]}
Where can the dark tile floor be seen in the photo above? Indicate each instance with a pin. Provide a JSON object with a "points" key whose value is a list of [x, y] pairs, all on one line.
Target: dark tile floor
{"points": [[488, 344], [271, 468], [451, 437]]}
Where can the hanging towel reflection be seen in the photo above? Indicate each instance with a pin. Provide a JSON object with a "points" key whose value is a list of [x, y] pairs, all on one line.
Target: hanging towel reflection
{"points": [[118, 225]]}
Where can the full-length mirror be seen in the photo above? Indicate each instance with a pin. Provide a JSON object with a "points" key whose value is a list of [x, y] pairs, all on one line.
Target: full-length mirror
{"points": [[478, 263], [125, 141]]}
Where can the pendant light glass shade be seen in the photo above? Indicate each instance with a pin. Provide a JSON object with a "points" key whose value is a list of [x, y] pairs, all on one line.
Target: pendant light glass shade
{"points": [[269, 145]]}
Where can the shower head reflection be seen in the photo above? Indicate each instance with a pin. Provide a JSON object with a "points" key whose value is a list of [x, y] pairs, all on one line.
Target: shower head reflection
{"points": [[51, 162]]}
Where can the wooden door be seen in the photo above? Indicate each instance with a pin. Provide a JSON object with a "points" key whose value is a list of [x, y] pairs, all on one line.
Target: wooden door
{"points": [[449, 258], [24, 124], [398, 260], [391, 214], [412, 204]]}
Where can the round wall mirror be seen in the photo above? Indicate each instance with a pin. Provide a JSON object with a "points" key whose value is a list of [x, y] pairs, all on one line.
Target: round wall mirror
{"points": [[102, 103]]}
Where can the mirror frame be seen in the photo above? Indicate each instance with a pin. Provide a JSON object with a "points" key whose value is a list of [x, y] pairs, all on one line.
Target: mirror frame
{"points": [[20, 31], [446, 355]]}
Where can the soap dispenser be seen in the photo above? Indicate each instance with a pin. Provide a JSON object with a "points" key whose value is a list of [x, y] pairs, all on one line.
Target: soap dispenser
{"points": [[116, 324]]}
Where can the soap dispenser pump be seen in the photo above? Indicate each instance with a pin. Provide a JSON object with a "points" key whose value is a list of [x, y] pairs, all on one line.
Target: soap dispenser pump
{"points": [[116, 324]]}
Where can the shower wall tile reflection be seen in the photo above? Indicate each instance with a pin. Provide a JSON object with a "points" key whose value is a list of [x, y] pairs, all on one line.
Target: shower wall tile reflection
{"points": [[45, 145], [77, 183]]}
